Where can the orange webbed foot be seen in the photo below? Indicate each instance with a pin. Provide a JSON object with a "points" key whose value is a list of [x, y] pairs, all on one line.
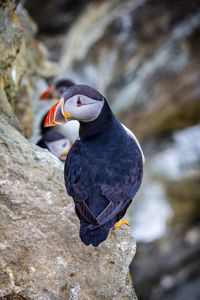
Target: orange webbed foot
{"points": [[120, 223]]}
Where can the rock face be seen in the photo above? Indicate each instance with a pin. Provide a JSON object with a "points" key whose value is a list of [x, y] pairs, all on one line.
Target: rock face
{"points": [[41, 256], [53, 19], [23, 60], [144, 56], [63, 11]]}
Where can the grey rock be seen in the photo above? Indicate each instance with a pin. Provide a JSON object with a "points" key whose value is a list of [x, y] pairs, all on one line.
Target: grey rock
{"points": [[41, 255], [63, 11]]}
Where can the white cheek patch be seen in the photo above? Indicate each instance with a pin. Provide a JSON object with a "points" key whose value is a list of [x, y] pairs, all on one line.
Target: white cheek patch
{"points": [[90, 112], [87, 111], [58, 147]]}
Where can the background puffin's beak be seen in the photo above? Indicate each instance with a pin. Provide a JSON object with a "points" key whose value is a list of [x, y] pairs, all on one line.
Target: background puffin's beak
{"points": [[63, 156], [48, 94], [55, 116]]}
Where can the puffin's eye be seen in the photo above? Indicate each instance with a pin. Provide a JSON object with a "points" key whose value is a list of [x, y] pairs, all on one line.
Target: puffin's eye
{"points": [[78, 102]]}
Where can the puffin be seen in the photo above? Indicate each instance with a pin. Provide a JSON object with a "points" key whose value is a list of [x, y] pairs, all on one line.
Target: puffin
{"points": [[54, 141], [57, 140], [70, 131], [104, 167], [55, 91]]}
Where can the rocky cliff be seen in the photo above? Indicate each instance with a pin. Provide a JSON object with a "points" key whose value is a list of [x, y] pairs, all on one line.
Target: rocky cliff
{"points": [[144, 56], [41, 256], [23, 60]]}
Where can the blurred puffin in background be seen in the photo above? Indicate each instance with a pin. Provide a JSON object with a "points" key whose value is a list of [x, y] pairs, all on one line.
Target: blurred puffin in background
{"points": [[54, 141], [57, 140], [55, 91], [104, 168]]}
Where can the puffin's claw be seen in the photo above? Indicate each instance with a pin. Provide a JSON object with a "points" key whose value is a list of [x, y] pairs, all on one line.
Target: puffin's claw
{"points": [[120, 223]]}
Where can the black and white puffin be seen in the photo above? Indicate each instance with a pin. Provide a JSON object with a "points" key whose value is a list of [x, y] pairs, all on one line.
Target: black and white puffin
{"points": [[57, 140], [70, 131], [58, 144], [58, 88], [104, 168]]}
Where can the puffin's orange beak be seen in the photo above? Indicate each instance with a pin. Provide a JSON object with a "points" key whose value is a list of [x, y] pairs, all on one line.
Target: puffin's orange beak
{"points": [[56, 115], [48, 94]]}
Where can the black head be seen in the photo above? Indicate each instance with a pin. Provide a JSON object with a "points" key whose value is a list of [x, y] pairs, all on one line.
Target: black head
{"points": [[84, 90], [62, 85], [57, 89]]}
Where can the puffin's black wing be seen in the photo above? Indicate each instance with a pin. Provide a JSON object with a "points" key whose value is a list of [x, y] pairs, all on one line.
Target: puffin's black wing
{"points": [[76, 183], [73, 172], [128, 170], [123, 180]]}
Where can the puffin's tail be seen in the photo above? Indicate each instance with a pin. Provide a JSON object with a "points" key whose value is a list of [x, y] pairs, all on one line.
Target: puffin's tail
{"points": [[95, 236]]}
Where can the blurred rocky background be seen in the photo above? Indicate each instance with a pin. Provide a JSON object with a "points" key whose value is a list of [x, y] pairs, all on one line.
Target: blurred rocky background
{"points": [[144, 55]]}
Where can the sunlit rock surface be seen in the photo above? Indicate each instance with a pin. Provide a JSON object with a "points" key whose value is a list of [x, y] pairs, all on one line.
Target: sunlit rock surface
{"points": [[41, 255]]}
